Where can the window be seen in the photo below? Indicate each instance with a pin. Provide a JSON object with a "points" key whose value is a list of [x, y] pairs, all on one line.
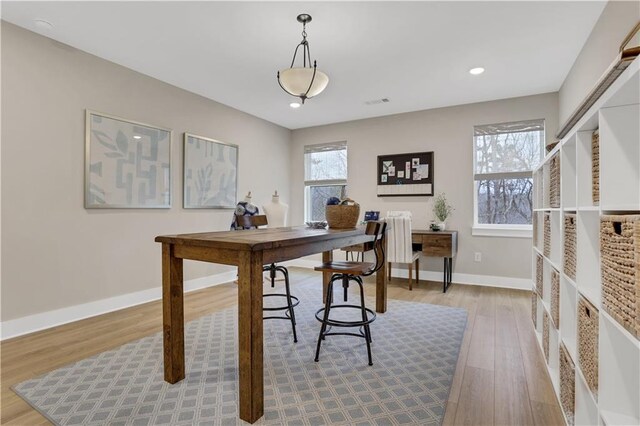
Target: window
{"points": [[504, 158], [325, 175]]}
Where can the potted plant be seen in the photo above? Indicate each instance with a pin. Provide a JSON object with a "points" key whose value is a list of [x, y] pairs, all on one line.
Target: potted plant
{"points": [[441, 210]]}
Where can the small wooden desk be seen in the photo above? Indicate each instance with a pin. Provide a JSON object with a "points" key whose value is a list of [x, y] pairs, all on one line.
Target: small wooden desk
{"points": [[438, 244], [249, 250]]}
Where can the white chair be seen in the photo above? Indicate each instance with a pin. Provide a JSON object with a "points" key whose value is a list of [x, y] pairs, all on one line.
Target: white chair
{"points": [[399, 247]]}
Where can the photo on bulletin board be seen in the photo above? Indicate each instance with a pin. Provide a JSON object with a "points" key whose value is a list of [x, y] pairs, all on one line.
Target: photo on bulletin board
{"points": [[414, 175]]}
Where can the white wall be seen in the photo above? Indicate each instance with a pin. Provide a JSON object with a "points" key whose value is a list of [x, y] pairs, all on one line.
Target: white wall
{"points": [[599, 51], [448, 132], [55, 253]]}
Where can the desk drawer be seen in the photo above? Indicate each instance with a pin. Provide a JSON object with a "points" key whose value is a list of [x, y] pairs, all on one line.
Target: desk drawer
{"points": [[438, 245]]}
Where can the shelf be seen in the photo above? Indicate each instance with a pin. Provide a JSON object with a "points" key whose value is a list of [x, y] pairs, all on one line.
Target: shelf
{"points": [[586, 407], [568, 172], [619, 376], [588, 256], [568, 315], [620, 157], [615, 115]]}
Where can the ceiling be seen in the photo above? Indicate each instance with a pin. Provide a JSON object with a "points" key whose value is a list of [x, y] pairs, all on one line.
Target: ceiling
{"points": [[416, 54]]}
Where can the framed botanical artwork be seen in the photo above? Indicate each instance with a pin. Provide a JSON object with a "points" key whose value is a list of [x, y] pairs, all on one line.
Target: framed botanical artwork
{"points": [[413, 177], [127, 163], [210, 173]]}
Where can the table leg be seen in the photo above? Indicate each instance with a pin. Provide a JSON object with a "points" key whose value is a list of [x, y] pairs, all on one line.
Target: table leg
{"points": [[172, 315], [250, 370], [381, 282], [327, 256]]}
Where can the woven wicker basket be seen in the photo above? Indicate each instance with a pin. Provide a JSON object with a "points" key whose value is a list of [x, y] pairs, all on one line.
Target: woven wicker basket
{"points": [[342, 216], [545, 335], [546, 249], [534, 308], [588, 343], [567, 384], [555, 298], [620, 266], [595, 167], [569, 252], [539, 285], [554, 181]]}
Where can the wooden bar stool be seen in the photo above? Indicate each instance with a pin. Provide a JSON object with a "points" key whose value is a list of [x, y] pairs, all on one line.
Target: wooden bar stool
{"points": [[248, 222], [346, 272]]}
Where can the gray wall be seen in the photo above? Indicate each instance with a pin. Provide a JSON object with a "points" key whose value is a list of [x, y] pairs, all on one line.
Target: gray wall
{"points": [[448, 132], [54, 252], [599, 51]]}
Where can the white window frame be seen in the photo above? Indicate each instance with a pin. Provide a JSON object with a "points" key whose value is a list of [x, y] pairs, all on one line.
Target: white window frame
{"points": [[501, 230], [334, 146]]}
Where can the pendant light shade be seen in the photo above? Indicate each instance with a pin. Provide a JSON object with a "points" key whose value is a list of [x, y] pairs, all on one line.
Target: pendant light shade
{"points": [[306, 81], [295, 81]]}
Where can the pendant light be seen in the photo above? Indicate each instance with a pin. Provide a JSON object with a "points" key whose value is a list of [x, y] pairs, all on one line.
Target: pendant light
{"points": [[307, 81]]}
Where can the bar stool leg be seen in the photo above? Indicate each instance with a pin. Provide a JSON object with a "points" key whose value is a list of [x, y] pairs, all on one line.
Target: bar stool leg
{"points": [[367, 331], [327, 308], [290, 304]]}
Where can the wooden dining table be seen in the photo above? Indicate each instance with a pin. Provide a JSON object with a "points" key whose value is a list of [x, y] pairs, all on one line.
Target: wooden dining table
{"points": [[249, 250]]}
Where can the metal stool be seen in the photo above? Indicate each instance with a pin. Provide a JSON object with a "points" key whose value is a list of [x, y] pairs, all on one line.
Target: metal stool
{"points": [[248, 222], [346, 272]]}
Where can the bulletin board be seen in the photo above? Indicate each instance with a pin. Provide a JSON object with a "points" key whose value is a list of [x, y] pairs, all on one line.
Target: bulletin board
{"points": [[402, 175]]}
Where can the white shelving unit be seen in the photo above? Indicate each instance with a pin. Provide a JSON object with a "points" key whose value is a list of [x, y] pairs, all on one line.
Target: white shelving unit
{"points": [[617, 117]]}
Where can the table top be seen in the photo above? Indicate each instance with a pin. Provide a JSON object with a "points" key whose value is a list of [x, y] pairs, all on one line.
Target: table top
{"points": [[261, 239]]}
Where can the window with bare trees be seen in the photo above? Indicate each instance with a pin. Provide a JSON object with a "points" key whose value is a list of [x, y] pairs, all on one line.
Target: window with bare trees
{"points": [[325, 176], [505, 155]]}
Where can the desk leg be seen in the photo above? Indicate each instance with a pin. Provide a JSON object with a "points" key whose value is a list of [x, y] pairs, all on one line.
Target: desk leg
{"points": [[448, 270], [327, 256], [251, 387], [172, 315], [381, 282]]}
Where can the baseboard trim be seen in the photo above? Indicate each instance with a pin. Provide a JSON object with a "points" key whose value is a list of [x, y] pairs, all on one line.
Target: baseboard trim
{"points": [[457, 278], [45, 320], [49, 319]]}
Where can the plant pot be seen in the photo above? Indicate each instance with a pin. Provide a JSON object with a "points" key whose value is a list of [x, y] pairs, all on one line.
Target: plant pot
{"points": [[442, 226]]}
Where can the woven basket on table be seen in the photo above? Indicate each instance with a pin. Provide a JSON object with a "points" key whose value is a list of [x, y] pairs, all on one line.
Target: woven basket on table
{"points": [[555, 298], [569, 251], [620, 268], [539, 284], [554, 181], [343, 216], [545, 335], [595, 167], [534, 308], [546, 249], [567, 383], [588, 343]]}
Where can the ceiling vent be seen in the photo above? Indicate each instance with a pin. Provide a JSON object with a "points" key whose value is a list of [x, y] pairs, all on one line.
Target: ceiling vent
{"points": [[377, 101]]}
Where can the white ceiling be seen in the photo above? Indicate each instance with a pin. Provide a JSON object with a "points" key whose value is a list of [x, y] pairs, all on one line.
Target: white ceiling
{"points": [[417, 54]]}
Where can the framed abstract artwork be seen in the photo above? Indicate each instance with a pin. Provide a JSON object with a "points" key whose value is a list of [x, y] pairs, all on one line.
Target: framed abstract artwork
{"points": [[127, 164], [210, 173]]}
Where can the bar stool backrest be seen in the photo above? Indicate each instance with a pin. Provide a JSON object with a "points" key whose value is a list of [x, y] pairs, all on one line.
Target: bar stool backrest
{"points": [[377, 229], [248, 222]]}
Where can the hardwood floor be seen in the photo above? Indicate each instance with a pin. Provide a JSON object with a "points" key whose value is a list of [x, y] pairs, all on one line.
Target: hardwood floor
{"points": [[500, 379]]}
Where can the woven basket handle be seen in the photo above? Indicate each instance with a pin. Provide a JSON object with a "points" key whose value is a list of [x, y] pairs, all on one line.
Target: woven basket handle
{"points": [[617, 227]]}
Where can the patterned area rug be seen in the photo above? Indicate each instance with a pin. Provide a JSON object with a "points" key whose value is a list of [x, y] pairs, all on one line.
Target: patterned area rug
{"points": [[415, 350]]}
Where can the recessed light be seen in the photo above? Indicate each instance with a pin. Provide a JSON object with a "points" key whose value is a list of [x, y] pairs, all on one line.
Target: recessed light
{"points": [[43, 25], [295, 104], [137, 137], [476, 71]]}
